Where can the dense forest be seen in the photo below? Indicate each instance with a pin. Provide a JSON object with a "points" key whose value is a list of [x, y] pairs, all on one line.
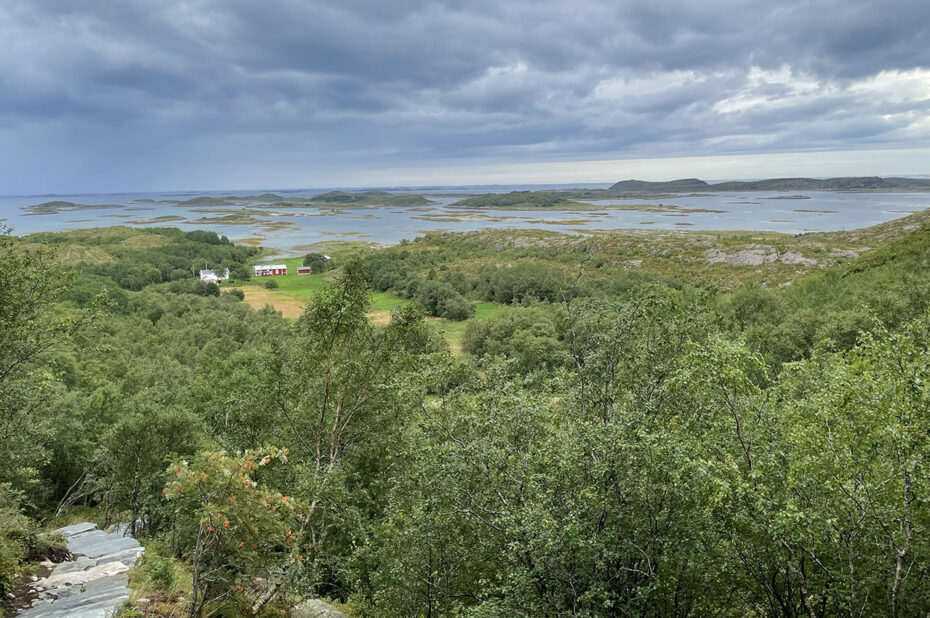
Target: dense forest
{"points": [[673, 437]]}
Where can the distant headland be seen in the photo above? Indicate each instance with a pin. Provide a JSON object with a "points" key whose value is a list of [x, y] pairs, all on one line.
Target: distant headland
{"points": [[852, 183]]}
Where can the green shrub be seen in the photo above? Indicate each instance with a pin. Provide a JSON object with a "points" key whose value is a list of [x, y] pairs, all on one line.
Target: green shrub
{"points": [[527, 335], [86, 288], [440, 299], [160, 571], [240, 272], [317, 262], [192, 286], [455, 307], [271, 284], [14, 535]]}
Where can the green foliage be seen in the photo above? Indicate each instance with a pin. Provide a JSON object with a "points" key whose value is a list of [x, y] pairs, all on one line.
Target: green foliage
{"points": [[207, 238], [192, 286], [135, 259], [521, 282], [14, 534], [857, 446], [240, 272], [31, 324], [271, 284], [529, 336], [135, 447], [441, 300], [160, 572], [86, 290], [237, 531], [318, 262], [615, 442]]}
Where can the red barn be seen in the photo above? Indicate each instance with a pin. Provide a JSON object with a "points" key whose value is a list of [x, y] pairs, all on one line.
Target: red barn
{"points": [[269, 270], [303, 270]]}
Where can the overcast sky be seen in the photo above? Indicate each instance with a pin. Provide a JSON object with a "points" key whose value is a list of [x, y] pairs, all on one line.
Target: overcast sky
{"points": [[113, 95]]}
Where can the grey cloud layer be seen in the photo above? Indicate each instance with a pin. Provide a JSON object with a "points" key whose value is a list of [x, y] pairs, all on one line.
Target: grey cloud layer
{"points": [[174, 88]]}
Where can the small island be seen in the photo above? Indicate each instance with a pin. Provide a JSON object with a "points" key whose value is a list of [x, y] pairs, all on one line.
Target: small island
{"points": [[330, 198], [57, 206], [521, 200], [560, 200], [370, 198]]}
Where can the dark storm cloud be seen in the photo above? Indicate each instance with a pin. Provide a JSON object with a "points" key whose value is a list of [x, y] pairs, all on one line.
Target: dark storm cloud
{"points": [[183, 92]]}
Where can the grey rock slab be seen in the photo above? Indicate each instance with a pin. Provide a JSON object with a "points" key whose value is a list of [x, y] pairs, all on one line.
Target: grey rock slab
{"points": [[124, 528], [98, 543], [93, 585], [316, 608], [76, 529]]}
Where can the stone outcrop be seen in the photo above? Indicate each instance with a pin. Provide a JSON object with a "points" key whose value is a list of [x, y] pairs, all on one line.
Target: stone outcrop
{"points": [[756, 255], [315, 608], [93, 585]]}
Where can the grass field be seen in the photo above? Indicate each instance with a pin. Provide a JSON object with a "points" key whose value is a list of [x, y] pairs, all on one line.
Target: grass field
{"points": [[453, 331]]}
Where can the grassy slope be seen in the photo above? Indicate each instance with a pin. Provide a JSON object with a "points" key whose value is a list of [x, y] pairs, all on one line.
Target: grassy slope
{"points": [[702, 258], [453, 331]]}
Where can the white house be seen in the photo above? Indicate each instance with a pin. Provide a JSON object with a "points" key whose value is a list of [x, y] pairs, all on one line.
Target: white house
{"points": [[210, 276]]}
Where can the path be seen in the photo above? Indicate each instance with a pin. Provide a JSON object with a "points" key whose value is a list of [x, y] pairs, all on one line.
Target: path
{"points": [[93, 585]]}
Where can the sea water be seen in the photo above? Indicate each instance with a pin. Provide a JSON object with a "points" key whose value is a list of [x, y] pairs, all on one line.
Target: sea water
{"points": [[384, 225]]}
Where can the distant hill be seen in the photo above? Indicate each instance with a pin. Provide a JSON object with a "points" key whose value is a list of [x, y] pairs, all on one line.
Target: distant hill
{"points": [[853, 183], [370, 198], [672, 186]]}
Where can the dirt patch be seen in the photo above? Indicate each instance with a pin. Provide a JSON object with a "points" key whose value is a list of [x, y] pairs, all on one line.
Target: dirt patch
{"points": [[380, 318], [258, 298], [23, 593]]}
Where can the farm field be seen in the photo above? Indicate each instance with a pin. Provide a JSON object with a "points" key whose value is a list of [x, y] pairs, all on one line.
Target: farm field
{"points": [[295, 291]]}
